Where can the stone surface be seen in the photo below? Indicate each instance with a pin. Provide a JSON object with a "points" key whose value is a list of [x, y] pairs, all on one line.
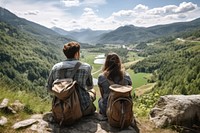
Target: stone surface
{"points": [[178, 110], [90, 124], [17, 106], [3, 120], [43, 123], [5, 108], [24, 123], [4, 103]]}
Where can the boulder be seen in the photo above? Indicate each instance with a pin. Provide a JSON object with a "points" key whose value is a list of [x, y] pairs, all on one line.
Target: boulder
{"points": [[180, 110], [5, 108], [89, 124], [43, 123]]}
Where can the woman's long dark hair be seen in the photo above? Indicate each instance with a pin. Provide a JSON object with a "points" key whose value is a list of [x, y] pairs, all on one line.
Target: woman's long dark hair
{"points": [[113, 67]]}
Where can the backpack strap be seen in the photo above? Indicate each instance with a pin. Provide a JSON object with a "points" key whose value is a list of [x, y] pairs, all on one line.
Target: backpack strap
{"points": [[78, 64], [76, 67], [121, 82], [122, 120]]}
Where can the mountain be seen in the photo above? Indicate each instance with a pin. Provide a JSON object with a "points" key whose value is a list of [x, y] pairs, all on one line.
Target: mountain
{"points": [[23, 24], [126, 34], [41, 32], [130, 34], [174, 27], [82, 35]]}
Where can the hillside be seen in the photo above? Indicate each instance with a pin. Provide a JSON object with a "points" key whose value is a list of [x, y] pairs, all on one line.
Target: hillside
{"points": [[42, 33], [25, 60], [27, 52], [174, 65]]}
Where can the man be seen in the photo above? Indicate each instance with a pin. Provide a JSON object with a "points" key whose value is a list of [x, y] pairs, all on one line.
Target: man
{"points": [[83, 76]]}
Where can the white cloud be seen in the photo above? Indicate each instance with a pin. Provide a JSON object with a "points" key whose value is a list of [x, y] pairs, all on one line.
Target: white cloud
{"points": [[94, 2], [141, 8], [141, 15], [51, 14], [185, 7], [70, 3], [90, 3], [121, 13], [173, 9], [34, 12]]}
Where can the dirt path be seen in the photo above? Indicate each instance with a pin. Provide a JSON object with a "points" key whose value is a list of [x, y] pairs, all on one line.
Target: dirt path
{"points": [[97, 71], [145, 88]]}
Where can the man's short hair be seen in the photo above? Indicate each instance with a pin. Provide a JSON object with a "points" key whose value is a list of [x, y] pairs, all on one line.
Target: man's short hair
{"points": [[71, 48]]}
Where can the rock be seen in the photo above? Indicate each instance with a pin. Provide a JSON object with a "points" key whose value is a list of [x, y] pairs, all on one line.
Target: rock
{"points": [[5, 108], [90, 124], [17, 106], [24, 123], [178, 110], [48, 117], [44, 123], [4, 103], [41, 127], [3, 120]]}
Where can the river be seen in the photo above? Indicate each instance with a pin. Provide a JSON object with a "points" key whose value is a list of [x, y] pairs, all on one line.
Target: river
{"points": [[99, 59]]}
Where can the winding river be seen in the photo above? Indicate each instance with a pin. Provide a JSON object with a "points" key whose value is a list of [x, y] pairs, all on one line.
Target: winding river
{"points": [[100, 59]]}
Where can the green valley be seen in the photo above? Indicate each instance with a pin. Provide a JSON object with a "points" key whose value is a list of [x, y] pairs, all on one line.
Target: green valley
{"points": [[158, 65]]}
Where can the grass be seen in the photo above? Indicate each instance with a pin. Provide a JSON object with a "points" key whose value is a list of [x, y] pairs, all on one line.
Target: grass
{"points": [[138, 79], [133, 56], [28, 99], [89, 57], [33, 105]]}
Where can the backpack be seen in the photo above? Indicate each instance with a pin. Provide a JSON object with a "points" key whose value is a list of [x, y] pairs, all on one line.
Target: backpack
{"points": [[66, 107], [119, 107]]}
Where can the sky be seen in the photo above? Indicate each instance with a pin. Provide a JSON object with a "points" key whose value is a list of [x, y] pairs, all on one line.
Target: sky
{"points": [[103, 14]]}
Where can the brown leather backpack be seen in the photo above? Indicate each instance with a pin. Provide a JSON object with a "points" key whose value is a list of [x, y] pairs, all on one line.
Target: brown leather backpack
{"points": [[120, 105], [66, 107]]}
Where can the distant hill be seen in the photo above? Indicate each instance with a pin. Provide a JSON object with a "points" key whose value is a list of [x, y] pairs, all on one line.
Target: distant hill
{"points": [[130, 34], [82, 35], [126, 34], [168, 29]]}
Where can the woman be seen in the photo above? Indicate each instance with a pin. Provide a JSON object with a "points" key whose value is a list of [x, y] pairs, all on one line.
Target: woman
{"points": [[113, 72]]}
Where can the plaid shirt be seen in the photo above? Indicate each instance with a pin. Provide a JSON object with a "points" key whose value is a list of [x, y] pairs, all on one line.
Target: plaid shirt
{"points": [[83, 77]]}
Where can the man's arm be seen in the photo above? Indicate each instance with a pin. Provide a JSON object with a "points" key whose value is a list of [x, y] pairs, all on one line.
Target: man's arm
{"points": [[49, 81], [91, 90]]}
